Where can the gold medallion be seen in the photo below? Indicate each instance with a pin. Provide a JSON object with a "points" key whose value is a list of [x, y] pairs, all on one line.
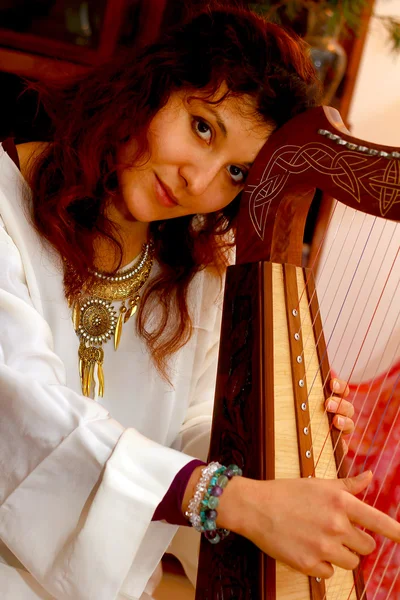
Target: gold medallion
{"points": [[95, 317]]}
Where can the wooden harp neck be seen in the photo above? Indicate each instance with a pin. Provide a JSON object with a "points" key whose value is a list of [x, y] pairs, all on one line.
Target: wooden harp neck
{"points": [[313, 150]]}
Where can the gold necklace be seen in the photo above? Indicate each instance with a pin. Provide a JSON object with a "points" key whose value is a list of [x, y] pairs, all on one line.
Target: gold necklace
{"points": [[95, 317]]}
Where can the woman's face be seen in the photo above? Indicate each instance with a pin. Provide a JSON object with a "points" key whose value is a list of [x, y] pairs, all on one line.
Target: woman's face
{"points": [[199, 157]]}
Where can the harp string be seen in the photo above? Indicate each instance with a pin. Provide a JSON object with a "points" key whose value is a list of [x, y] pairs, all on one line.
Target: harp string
{"points": [[384, 447], [320, 247], [388, 469], [305, 342], [381, 421], [371, 257], [337, 291], [360, 289], [372, 345], [394, 579], [371, 385], [364, 339], [328, 344], [385, 541], [360, 412], [310, 336], [338, 595], [310, 387], [355, 304], [322, 420]]}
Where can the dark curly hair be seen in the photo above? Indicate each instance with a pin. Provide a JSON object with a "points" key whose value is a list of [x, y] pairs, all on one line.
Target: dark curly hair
{"points": [[75, 176]]}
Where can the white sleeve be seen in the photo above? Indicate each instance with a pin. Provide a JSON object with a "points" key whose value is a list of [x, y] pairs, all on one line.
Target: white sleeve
{"points": [[194, 436], [77, 491]]}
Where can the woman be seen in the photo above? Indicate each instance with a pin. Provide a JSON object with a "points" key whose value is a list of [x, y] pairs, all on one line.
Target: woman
{"points": [[146, 157]]}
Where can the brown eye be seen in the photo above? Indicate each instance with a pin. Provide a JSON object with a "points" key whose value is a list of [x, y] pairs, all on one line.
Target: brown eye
{"points": [[237, 174], [202, 129]]}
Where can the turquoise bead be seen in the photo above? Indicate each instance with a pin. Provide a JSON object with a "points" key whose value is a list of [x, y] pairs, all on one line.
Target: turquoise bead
{"points": [[222, 481], [202, 515], [215, 540], [209, 525], [213, 502], [237, 470], [213, 481]]}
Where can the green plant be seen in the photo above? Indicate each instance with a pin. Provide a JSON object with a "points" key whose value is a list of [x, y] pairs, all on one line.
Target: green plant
{"points": [[346, 12]]}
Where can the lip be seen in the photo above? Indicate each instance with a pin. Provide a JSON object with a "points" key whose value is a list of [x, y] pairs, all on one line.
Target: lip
{"points": [[164, 194]]}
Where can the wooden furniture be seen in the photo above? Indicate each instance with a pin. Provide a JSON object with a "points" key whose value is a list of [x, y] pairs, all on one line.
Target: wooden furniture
{"points": [[43, 39], [71, 36], [269, 413]]}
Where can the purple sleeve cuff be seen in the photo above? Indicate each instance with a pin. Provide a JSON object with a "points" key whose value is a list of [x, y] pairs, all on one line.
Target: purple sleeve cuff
{"points": [[170, 507]]}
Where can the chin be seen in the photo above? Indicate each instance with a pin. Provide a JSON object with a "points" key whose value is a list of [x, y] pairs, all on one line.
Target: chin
{"points": [[145, 216]]}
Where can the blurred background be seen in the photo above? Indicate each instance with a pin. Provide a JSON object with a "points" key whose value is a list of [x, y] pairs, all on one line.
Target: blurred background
{"points": [[355, 45]]}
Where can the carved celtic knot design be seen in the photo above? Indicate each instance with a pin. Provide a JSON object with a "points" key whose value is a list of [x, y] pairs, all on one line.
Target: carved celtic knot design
{"points": [[349, 170]]}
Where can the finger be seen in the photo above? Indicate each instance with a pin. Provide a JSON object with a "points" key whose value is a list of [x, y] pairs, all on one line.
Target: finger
{"points": [[340, 406], [344, 558], [359, 541], [344, 424], [323, 570], [357, 484], [338, 386], [373, 519]]}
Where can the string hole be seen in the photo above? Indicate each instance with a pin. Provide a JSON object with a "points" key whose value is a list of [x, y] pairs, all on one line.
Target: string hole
{"points": [[305, 430], [301, 383], [296, 336], [308, 454], [299, 359], [318, 579], [304, 406], [294, 312]]}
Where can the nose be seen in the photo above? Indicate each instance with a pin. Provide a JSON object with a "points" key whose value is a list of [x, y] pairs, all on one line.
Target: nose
{"points": [[198, 176]]}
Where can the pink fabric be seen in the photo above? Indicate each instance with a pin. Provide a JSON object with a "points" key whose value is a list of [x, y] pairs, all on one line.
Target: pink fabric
{"points": [[375, 446]]}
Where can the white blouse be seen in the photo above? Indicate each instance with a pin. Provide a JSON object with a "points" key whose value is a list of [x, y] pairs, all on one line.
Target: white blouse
{"points": [[80, 478]]}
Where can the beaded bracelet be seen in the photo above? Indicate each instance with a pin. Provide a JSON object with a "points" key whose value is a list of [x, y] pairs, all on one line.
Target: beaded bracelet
{"points": [[193, 510], [202, 511]]}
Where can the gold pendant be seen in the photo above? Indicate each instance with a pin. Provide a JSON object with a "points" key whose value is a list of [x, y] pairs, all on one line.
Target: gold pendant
{"points": [[100, 375], [76, 314], [133, 304], [95, 318], [88, 357], [118, 328]]}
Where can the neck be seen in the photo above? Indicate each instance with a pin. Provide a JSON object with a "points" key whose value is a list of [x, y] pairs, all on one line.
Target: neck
{"points": [[131, 234]]}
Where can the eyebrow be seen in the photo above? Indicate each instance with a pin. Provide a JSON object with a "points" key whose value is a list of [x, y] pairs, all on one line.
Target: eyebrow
{"points": [[218, 118], [221, 125]]}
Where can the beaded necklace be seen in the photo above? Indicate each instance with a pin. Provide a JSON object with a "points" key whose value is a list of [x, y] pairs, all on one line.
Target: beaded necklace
{"points": [[95, 317]]}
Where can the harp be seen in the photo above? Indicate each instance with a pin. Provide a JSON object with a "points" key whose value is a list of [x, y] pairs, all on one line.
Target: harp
{"points": [[273, 371]]}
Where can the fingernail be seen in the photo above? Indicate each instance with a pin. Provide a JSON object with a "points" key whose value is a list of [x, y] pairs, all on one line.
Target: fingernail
{"points": [[341, 421], [332, 405], [365, 475], [336, 384]]}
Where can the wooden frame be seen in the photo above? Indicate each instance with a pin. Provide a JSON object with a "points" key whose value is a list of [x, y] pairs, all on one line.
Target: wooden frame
{"points": [[35, 56]]}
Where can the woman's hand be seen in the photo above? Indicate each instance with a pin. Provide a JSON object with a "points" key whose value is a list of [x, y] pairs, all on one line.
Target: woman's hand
{"points": [[343, 410], [309, 524]]}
